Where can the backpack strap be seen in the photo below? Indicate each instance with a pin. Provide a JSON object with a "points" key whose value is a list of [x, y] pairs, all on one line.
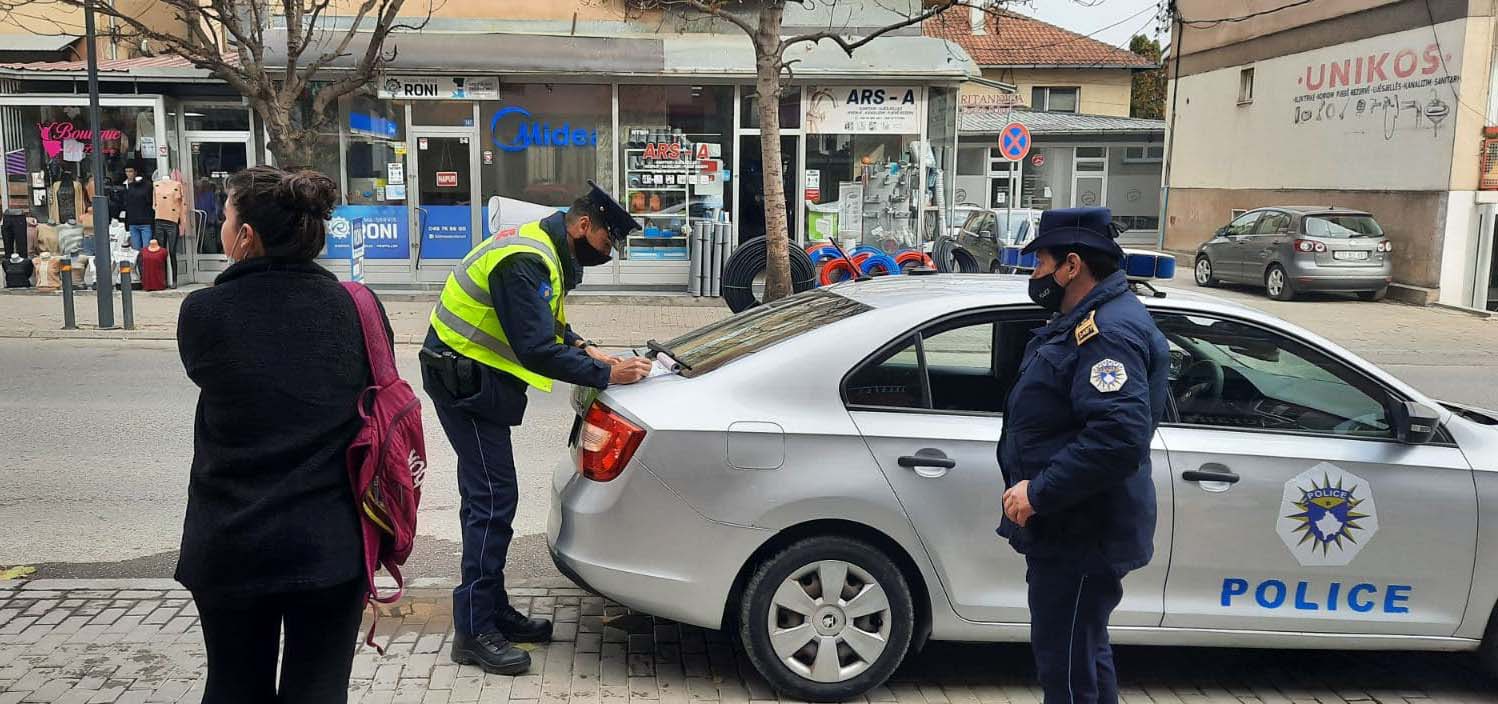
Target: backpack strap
{"points": [[376, 344]]}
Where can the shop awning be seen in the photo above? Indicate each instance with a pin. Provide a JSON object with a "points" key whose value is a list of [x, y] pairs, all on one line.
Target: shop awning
{"points": [[35, 42], [684, 55], [980, 121], [165, 67]]}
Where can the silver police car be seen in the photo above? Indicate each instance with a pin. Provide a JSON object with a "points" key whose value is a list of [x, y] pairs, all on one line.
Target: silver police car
{"points": [[818, 477]]}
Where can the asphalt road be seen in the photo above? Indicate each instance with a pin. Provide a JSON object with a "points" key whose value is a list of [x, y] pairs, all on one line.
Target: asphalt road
{"points": [[97, 443]]}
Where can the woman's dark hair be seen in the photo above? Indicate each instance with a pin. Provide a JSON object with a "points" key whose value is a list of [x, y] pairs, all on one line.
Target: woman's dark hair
{"points": [[288, 209]]}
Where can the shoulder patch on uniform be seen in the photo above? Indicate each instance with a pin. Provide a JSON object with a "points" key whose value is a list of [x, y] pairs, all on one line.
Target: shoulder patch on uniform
{"points": [[1087, 329], [545, 291], [1108, 376]]}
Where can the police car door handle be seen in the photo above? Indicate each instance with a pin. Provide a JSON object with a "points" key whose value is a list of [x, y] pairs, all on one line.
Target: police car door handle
{"points": [[1211, 473], [928, 458]]}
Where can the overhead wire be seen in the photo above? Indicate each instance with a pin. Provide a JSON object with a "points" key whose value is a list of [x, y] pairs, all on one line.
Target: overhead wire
{"points": [[1205, 24], [1456, 93]]}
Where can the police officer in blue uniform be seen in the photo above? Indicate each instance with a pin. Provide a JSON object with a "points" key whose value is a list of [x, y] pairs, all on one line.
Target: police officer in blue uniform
{"points": [[476, 369], [1080, 501]]}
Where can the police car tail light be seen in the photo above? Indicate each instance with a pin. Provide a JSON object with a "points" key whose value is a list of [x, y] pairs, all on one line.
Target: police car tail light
{"points": [[608, 441], [1310, 246]]}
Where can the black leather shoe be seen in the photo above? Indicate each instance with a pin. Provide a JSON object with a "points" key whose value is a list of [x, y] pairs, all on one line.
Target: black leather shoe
{"points": [[521, 629], [491, 652]]}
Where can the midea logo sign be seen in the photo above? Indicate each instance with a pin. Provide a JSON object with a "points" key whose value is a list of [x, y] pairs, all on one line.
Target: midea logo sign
{"points": [[513, 130]]}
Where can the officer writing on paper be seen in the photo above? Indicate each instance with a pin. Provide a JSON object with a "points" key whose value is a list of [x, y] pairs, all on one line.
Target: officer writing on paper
{"points": [[1080, 503], [499, 328]]}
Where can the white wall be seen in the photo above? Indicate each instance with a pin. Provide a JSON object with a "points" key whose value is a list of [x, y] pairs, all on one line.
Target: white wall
{"points": [[1310, 127]]}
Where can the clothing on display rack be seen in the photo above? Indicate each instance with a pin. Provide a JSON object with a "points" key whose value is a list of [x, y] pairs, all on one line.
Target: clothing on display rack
{"points": [[168, 199], [140, 215], [66, 200], [153, 267], [18, 271], [13, 231], [48, 272], [70, 237], [46, 237], [168, 235]]}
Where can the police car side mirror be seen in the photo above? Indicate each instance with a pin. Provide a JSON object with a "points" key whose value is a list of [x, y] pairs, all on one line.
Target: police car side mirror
{"points": [[1414, 423]]}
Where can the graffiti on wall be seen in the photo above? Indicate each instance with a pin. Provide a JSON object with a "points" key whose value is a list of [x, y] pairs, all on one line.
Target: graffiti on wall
{"points": [[1382, 93]]}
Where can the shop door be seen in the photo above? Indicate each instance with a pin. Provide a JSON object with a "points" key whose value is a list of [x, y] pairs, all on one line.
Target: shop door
{"points": [[211, 160], [751, 196], [443, 217]]}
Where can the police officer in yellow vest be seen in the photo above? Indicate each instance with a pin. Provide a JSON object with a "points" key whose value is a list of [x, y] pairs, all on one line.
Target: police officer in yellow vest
{"points": [[500, 328]]}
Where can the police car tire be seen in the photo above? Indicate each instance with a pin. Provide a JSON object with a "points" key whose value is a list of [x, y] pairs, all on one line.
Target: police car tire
{"points": [[758, 596]]}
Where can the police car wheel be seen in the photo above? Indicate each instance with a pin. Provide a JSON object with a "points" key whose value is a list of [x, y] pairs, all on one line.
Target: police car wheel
{"points": [[1277, 284], [827, 619]]}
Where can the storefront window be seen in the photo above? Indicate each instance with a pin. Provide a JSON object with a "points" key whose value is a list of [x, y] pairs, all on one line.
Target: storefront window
{"points": [[790, 109], [863, 159], [1047, 182], [675, 143], [374, 180], [541, 145], [940, 160], [442, 113], [1134, 189], [49, 159], [212, 118]]}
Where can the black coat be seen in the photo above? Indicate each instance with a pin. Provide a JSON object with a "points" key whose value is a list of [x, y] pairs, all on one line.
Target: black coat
{"points": [[277, 351], [140, 203]]}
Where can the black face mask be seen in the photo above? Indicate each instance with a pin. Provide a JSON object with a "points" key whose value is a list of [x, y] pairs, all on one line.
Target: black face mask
{"points": [[1047, 293], [587, 256]]}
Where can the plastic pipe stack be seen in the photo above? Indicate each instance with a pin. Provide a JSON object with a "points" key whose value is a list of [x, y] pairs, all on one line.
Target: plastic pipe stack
{"points": [[710, 242], [695, 271]]}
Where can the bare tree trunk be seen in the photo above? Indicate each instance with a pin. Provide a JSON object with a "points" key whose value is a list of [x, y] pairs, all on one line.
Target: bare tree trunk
{"points": [[768, 87]]}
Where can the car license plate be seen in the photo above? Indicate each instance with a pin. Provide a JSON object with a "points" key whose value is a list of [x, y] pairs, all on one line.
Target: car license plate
{"points": [[1353, 255]]}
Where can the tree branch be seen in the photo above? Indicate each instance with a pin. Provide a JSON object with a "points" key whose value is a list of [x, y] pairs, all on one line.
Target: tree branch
{"points": [[849, 46]]}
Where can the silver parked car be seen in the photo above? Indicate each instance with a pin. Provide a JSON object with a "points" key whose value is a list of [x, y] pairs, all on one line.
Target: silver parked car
{"points": [[1289, 250], [820, 479]]}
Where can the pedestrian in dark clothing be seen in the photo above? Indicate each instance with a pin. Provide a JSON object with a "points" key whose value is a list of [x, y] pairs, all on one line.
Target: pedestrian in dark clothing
{"points": [[271, 538], [1075, 451]]}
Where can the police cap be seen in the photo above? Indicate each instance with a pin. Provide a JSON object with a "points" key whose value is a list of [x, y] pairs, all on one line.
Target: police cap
{"points": [[1077, 227], [614, 217]]}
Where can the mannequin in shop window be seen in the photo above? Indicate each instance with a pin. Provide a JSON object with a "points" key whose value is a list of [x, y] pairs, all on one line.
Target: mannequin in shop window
{"points": [[65, 200], [18, 271], [153, 267], [140, 213], [171, 221], [48, 272]]}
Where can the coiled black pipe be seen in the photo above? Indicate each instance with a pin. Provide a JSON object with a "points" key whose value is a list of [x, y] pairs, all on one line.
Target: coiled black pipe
{"points": [[749, 261]]}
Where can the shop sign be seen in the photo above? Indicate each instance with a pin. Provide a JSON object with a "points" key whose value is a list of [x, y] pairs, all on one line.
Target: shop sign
{"points": [[384, 229], [864, 109], [445, 233], [992, 101], [53, 135], [439, 88], [148, 147], [447, 179], [513, 130], [813, 185], [395, 173]]}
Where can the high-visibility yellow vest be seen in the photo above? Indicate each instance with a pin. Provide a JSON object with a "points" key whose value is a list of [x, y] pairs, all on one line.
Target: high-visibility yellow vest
{"points": [[465, 318]]}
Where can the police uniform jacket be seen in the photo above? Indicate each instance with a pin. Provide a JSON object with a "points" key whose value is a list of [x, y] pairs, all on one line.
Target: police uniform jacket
{"points": [[519, 289], [1077, 425]]}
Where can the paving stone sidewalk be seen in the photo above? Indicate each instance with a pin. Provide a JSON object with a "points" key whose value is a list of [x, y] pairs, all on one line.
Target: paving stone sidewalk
{"points": [[79, 641]]}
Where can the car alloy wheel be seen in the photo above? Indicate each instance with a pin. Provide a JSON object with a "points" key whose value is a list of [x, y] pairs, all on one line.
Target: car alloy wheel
{"points": [[1204, 272], [1277, 284], [827, 619]]}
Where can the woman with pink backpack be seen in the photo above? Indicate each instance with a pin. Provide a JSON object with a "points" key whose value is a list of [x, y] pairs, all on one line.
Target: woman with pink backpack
{"points": [[272, 540]]}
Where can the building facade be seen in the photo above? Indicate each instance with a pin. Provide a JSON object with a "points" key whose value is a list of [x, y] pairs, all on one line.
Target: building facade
{"points": [[529, 109], [1378, 105], [1073, 93]]}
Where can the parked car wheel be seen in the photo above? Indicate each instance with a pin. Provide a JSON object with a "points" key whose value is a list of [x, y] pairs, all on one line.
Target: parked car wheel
{"points": [[827, 619], [1277, 284], [1374, 295], [1204, 273]]}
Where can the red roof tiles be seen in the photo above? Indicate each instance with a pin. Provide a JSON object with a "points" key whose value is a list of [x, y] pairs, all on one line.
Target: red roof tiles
{"points": [[1012, 39]]}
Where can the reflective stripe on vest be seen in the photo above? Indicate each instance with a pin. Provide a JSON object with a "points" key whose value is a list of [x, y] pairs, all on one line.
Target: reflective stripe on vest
{"points": [[465, 319]]}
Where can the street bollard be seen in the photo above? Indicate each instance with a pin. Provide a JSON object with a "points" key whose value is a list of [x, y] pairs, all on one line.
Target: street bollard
{"points": [[69, 318], [125, 303]]}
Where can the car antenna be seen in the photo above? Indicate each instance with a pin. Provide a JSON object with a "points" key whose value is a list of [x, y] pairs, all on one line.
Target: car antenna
{"points": [[857, 274]]}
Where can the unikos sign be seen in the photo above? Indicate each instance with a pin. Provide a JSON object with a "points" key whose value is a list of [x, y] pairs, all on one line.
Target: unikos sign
{"points": [[513, 130]]}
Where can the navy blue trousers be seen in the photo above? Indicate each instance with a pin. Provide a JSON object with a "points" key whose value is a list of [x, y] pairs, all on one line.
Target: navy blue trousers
{"points": [[489, 492], [1069, 610]]}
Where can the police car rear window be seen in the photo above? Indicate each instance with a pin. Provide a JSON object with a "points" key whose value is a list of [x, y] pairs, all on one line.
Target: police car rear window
{"points": [[722, 342]]}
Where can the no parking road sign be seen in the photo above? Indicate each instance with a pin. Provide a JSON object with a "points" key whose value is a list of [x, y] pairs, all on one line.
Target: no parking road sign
{"points": [[1014, 141]]}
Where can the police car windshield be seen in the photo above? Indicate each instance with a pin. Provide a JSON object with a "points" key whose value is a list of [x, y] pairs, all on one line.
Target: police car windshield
{"points": [[722, 342]]}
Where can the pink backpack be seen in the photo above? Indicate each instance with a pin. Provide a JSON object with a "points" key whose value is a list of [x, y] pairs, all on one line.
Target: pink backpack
{"points": [[387, 460]]}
